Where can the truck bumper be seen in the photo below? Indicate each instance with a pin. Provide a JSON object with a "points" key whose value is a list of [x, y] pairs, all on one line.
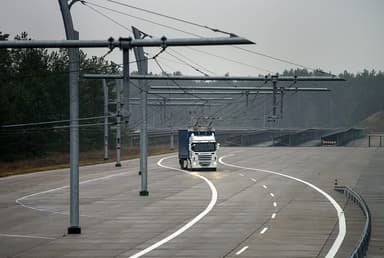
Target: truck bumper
{"points": [[204, 165]]}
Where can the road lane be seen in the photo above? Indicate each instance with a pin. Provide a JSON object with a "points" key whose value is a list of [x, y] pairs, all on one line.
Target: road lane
{"points": [[122, 224], [340, 213]]}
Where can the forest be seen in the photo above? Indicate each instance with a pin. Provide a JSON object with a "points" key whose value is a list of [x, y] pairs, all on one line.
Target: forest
{"points": [[34, 103]]}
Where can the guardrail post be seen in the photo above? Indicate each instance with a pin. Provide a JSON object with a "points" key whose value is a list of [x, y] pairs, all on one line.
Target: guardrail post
{"points": [[172, 141]]}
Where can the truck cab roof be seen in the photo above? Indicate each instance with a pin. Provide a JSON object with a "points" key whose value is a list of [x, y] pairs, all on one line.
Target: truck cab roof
{"points": [[203, 138]]}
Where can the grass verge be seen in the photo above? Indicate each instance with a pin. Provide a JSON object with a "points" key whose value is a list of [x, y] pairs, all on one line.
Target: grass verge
{"points": [[56, 160]]}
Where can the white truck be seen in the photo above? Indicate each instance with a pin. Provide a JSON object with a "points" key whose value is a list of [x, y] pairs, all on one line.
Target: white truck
{"points": [[197, 149]]}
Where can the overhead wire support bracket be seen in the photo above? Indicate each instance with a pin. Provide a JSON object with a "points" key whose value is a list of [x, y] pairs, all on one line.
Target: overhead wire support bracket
{"points": [[214, 78], [74, 1], [125, 42]]}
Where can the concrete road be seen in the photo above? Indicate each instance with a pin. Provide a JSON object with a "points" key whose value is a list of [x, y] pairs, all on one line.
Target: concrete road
{"points": [[262, 202]]}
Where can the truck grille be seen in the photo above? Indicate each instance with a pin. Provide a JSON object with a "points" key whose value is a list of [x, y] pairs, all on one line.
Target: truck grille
{"points": [[205, 160]]}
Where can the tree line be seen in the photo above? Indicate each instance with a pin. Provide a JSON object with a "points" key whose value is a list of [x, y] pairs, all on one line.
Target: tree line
{"points": [[34, 88]]}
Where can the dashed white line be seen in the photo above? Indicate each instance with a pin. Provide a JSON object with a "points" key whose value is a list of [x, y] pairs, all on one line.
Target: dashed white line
{"points": [[263, 231], [271, 194], [254, 180], [273, 215], [242, 250], [241, 174], [265, 187], [340, 213], [275, 204]]}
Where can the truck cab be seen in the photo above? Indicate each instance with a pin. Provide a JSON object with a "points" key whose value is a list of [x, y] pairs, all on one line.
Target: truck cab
{"points": [[197, 149]]}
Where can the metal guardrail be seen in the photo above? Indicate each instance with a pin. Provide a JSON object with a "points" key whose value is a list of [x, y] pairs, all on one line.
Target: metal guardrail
{"points": [[342, 137], [371, 136], [300, 137], [361, 248]]}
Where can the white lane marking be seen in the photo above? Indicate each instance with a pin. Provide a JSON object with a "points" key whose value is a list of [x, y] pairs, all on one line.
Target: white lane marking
{"points": [[273, 215], [19, 200], [26, 236], [254, 180], [263, 231], [340, 213], [271, 194], [189, 224], [242, 250], [265, 187], [241, 174], [275, 204]]}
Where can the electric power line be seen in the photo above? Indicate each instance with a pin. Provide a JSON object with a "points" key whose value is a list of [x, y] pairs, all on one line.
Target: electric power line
{"points": [[136, 17], [250, 51], [171, 17], [172, 28], [52, 122], [106, 16], [175, 82], [214, 30]]}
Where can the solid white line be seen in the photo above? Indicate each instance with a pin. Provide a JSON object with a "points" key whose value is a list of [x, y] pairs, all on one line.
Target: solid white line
{"points": [[273, 215], [242, 250], [340, 213], [275, 204], [19, 200], [26, 236], [272, 194], [263, 231], [189, 224]]}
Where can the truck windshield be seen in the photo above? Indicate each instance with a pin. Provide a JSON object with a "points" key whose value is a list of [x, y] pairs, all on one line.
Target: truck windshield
{"points": [[204, 147]]}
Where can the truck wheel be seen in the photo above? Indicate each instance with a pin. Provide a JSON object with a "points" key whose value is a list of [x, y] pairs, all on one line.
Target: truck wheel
{"points": [[183, 164]]}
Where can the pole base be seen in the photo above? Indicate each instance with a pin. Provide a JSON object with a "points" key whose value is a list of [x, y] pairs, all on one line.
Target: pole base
{"points": [[139, 173], [74, 230], [106, 158], [144, 193], [118, 165]]}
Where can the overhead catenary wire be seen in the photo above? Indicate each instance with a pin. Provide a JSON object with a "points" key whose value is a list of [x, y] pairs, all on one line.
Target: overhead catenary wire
{"points": [[216, 30], [277, 59], [172, 28], [176, 83], [193, 67], [171, 17], [114, 21], [283, 60], [51, 122], [19, 131], [231, 60], [106, 16], [135, 17], [164, 72]]}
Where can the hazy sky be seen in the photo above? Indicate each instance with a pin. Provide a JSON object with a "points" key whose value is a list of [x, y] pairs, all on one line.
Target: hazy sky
{"points": [[334, 35]]}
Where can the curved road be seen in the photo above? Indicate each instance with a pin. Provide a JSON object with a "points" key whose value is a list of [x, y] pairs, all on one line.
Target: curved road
{"points": [[238, 211]]}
